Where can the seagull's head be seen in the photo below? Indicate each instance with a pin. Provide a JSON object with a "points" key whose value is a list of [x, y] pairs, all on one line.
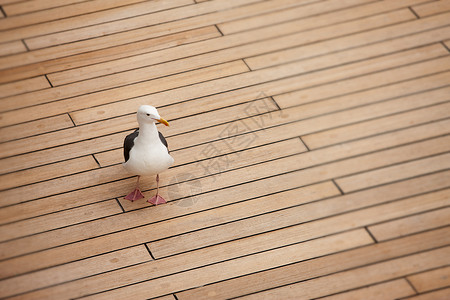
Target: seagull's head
{"points": [[149, 114]]}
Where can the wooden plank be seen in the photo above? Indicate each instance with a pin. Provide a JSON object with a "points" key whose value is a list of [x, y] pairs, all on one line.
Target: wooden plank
{"points": [[347, 101], [440, 294], [116, 172], [358, 113], [115, 141], [273, 17], [57, 235], [394, 173], [122, 238], [365, 86], [222, 55], [35, 127], [112, 190], [245, 264], [176, 264], [2, 2], [321, 122], [134, 81], [35, 5], [74, 14], [239, 46], [47, 172], [100, 43], [431, 280], [94, 114], [99, 193], [162, 29], [187, 17], [397, 228], [74, 270], [229, 83], [58, 220], [36, 97], [300, 271], [12, 48], [383, 291], [94, 57], [302, 96], [382, 36], [133, 62], [23, 86], [349, 279], [431, 8], [355, 131], [210, 236], [144, 74], [317, 11], [129, 122]]}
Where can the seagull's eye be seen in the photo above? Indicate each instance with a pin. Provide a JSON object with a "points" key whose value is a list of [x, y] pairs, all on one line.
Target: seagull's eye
{"points": [[148, 115]]}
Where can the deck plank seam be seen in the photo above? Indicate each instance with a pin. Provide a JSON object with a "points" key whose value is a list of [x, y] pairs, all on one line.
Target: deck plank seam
{"points": [[2, 11], [304, 144], [370, 234], [149, 251], [427, 292], [414, 12], [445, 46], [218, 29], [337, 186], [49, 82]]}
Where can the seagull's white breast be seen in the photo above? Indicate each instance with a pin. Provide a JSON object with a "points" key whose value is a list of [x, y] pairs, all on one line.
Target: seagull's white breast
{"points": [[148, 158]]}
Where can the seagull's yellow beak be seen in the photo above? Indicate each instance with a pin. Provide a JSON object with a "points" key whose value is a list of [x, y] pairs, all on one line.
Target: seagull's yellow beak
{"points": [[163, 121]]}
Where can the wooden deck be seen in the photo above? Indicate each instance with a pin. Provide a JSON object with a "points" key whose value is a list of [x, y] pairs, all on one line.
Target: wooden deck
{"points": [[311, 141]]}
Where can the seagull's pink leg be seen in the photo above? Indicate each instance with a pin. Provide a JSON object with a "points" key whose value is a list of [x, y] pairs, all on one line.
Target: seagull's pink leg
{"points": [[136, 194], [157, 199]]}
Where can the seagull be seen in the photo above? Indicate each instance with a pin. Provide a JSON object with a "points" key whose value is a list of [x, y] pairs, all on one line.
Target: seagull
{"points": [[146, 152]]}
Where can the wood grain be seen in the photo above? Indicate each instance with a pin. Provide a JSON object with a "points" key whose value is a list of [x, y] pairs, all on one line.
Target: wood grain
{"points": [[431, 280], [310, 138], [411, 224]]}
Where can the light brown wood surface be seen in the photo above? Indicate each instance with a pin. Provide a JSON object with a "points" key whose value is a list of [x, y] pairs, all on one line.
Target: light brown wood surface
{"points": [[310, 138]]}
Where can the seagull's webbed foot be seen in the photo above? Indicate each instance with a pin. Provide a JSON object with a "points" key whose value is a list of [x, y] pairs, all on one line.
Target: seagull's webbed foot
{"points": [[157, 199], [135, 195]]}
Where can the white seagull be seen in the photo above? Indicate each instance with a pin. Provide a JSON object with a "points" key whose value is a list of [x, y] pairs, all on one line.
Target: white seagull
{"points": [[146, 152]]}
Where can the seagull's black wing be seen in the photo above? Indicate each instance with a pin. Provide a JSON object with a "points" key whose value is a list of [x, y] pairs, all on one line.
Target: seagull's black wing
{"points": [[128, 143], [163, 140]]}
